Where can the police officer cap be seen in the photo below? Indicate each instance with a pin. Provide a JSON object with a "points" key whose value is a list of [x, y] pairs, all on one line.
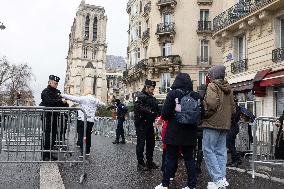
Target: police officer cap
{"points": [[150, 83], [54, 78]]}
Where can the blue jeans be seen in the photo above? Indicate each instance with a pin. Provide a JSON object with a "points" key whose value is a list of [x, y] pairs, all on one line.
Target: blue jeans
{"points": [[215, 152]]}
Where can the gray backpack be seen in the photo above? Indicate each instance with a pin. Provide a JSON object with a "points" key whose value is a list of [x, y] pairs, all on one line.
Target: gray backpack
{"points": [[188, 111]]}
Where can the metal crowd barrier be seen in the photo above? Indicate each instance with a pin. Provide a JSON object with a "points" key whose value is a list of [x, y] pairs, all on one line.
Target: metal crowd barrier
{"points": [[264, 142], [40, 134], [106, 126]]}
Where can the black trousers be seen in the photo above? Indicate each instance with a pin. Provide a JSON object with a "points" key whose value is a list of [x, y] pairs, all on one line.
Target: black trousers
{"points": [[50, 124], [80, 129], [145, 134], [279, 148], [120, 130], [171, 161]]}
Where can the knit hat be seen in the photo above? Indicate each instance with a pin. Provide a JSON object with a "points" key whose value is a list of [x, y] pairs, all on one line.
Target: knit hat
{"points": [[217, 72]]}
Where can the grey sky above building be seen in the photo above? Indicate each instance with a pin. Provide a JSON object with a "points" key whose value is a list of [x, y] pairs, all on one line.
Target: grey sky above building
{"points": [[37, 33]]}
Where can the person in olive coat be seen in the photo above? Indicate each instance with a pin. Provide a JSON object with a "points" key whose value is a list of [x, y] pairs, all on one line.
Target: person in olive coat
{"points": [[179, 136]]}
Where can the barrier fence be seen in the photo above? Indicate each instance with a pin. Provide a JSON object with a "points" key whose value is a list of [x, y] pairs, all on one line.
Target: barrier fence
{"points": [[40, 134], [264, 142]]}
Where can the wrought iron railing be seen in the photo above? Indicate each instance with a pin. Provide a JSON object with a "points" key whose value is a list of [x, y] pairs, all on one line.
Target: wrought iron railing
{"points": [[147, 7], [166, 28], [278, 55], [204, 60], [146, 34], [165, 1], [137, 67], [238, 11], [204, 26], [171, 59], [239, 66]]}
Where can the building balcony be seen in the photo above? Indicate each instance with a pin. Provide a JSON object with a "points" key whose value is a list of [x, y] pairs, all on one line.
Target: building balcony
{"points": [[278, 55], [204, 2], [146, 35], [136, 70], [204, 61], [239, 66], [166, 29], [204, 27], [147, 9], [166, 3], [165, 61], [243, 11]]}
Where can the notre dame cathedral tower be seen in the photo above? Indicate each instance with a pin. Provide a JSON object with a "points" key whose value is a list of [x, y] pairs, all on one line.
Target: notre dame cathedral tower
{"points": [[87, 52]]}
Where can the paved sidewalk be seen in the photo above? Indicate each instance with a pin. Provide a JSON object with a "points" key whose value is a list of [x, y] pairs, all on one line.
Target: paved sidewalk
{"points": [[114, 167]]}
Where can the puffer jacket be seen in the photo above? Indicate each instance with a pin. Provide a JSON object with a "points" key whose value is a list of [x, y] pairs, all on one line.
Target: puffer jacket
{"points": [[219, 105], [88, 103]]}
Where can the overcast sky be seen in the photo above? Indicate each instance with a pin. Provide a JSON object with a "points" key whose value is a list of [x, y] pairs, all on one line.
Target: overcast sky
{"points": [[37, 33]]}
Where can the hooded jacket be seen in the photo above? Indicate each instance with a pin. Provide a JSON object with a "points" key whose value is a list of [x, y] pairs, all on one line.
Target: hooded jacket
{"points": [[178, 134], [218, 105]]}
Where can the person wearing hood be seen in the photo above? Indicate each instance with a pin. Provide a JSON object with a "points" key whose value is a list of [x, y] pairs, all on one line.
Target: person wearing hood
{"points": [[89, 104], [179, 136], [219, 107]]}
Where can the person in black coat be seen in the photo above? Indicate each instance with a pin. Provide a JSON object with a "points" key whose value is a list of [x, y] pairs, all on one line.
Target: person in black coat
{"points": [[51, 98], [121, 112], [279, 147], [232, 134], [145, 111], [177, 135]]}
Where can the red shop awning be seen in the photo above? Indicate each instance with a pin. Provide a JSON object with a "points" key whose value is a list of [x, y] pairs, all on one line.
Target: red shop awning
{"points": [[274, 78]]}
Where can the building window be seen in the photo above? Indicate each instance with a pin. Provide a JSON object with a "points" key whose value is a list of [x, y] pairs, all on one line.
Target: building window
{"points": [[87, 23], [139, 29], [167, 18], [282, 33], [240, 48], [202, 76], [204, 52], [140, 6], [95, 29], [204, 15], [93, 54], [167, 49], [165, 82], [138, 53], [85, 52]]}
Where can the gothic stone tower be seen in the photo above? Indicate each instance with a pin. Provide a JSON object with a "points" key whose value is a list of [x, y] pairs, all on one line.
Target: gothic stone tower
{"points": [[87, 52]]}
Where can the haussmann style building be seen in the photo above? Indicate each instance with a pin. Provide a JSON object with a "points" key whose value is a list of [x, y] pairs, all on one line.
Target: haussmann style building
{"points": [[251, 36], [170, 36]]}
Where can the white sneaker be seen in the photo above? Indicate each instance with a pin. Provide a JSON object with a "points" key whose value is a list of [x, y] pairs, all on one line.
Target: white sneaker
{"points": [[161, 187], [171, 179], [188, 188], [212, 185], [222, 183]]}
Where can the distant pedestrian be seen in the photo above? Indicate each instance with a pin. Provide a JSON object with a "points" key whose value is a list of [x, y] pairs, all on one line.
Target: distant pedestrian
{"points": [[179, 135], [50, 97], [121, 111], [145, 112], [219, 107], [89, 104], [279, 148]]}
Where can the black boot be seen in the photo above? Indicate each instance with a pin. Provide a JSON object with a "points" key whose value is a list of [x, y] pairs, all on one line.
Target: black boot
{"points": [[151, 165], [123, 141], [142, 166], [116, 141]]}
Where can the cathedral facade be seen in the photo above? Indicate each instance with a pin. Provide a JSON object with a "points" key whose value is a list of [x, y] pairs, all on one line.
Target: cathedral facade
{"points": [[87, 53]]}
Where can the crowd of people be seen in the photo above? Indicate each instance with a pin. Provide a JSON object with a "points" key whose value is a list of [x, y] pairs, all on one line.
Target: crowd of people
{"points": [[208, 120]]}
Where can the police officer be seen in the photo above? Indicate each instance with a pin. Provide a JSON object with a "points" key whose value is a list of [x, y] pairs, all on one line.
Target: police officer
{"points": [[50, 97], [145, 111], [121, 112]]}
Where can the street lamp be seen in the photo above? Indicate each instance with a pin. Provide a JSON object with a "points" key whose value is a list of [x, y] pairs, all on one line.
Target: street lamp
{"points": [[2, 27]]}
